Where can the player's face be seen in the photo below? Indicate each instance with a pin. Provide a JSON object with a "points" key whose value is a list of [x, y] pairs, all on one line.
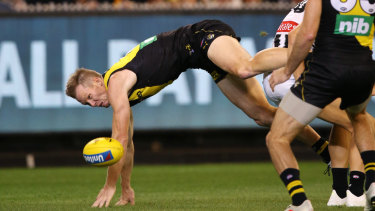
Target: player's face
{"points": [[94, 95]]}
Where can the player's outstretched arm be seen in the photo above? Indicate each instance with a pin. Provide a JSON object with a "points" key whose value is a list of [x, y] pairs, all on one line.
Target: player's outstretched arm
{"points": [[127, 192], [120, 84]]}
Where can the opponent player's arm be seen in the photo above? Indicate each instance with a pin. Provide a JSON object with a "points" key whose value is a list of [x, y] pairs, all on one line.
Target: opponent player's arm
{"points": [[305, 36]]}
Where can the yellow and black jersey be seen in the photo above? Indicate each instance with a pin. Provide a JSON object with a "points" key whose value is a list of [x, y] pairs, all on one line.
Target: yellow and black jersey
{"points": [[347, 27], [159, 60], [341, 65]]}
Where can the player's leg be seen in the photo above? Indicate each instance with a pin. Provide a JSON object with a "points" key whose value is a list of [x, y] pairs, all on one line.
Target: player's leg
{"points": [[364, 137], [339, 151], [290, 119], [283, 131], [341, 137], [355, 194], [249, 97], [227, 53], [308, 136], [333, 114]]}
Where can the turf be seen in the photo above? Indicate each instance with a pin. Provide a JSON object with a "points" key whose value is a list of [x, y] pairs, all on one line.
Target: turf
{"points": [[240, 186]]}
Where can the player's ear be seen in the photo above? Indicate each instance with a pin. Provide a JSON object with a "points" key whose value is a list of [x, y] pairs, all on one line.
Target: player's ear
{"points": [[98, 81]]}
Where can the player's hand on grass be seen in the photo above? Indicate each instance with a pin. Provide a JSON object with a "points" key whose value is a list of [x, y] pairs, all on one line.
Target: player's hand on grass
{"points": [[104, 197], [127, 196], [278, 76]]}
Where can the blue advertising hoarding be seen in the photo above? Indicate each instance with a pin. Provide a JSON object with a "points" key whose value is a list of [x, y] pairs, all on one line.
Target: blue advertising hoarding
{"points": [[37, 55]]}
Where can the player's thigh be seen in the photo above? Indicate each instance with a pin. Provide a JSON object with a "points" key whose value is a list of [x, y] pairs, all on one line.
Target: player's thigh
{"points": [[355, 110], [227, 53], [333, 114]]}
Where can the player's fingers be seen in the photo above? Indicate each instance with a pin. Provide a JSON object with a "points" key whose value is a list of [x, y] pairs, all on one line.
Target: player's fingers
{"points": [[272, 85], [132, 201], [121, 202], [102, 202], [96, 203], [107, 202]]}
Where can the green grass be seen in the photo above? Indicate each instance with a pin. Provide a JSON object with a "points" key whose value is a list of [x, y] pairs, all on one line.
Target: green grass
{"points": [[245, 186]]}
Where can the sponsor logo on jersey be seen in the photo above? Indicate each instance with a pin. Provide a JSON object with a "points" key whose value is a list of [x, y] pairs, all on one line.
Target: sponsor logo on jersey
{"points": [[147, 42], [98, 158], [353, 25], [287, 26]]}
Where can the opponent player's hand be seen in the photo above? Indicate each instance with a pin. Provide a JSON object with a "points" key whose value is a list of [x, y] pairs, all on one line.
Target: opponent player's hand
{"points": [[104, 197], [127, 196], [278, 76]]}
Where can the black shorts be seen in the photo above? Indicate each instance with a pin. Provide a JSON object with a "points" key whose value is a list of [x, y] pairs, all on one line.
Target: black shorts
{"points": [[323, 82], [202, 35]]}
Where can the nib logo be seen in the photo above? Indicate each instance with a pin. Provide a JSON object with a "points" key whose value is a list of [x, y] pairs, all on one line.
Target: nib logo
{"points": [[353, 25]]}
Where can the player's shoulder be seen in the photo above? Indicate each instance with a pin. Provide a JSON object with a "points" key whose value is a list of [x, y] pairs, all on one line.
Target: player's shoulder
{"points": [[122, 81]]}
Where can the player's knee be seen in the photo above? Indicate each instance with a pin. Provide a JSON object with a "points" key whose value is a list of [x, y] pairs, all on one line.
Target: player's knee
{"points": [[273, 141], [270, 140], [266, 117], [263, 122], [244, 71]]}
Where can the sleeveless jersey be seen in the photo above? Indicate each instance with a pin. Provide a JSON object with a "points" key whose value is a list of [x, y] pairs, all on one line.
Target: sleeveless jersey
{"points": [[346, 27], [341, 64], [291, 21], [159, 60]]}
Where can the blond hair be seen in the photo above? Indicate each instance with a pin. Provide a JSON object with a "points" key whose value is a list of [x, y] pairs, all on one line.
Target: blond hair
{"points": [[80, 76]]}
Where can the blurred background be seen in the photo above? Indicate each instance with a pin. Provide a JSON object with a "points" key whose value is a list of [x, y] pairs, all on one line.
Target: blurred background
{"points": [[43, 41]]}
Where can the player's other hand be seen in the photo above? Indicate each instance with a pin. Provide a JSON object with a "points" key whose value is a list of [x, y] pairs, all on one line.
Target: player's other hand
{"points": [[104, 197], [127, 197], [278, 76]]}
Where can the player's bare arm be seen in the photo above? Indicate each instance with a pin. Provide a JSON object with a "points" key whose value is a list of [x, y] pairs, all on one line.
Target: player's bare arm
{"points": [[291, 38], [118, 88], [303, 42], [127, 192]]}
